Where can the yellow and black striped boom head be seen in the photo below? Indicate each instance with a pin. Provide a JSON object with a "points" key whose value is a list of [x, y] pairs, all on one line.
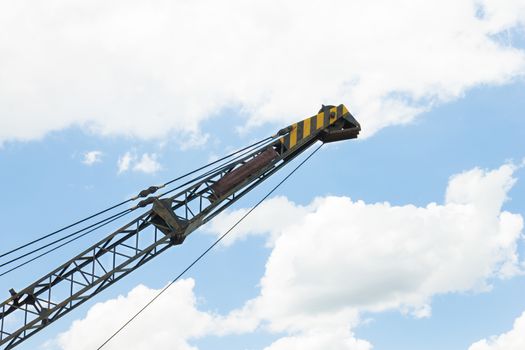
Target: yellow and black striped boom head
{"points": [[330, 124]]}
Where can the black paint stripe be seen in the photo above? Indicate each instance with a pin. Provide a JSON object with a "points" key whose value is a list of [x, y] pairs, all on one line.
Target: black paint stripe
{"points": [[287, 141], [300, 127]]}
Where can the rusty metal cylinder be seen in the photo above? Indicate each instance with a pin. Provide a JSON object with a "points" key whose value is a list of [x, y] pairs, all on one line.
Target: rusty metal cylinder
{"points": [[237, 176]]}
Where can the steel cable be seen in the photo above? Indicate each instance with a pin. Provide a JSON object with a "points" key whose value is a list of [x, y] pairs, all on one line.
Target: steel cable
{"points": [[61, 245], [208, 249], [121, 214], [151, 190]]}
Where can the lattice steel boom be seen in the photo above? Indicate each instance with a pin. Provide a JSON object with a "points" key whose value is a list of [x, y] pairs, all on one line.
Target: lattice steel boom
{"points": [[166, 223]]}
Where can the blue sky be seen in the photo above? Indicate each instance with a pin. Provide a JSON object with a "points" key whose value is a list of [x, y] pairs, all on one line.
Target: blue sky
{"points": [[442, 121]]}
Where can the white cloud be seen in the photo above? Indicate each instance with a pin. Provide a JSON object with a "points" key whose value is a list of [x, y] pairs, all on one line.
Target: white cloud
{"points": [[170, 323], [194, 140], [257, 223], [513, 340], [338, 339], [147, 164], [502, 14], [92, 157], [149, 69], [335, 258], [124, 162]]}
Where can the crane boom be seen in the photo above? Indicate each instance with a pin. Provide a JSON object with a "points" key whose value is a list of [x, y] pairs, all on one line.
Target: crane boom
{"points": [[166, 223]]}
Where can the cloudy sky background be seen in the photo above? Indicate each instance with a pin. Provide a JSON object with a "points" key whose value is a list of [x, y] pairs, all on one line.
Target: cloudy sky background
{"points": [[412, 236]]}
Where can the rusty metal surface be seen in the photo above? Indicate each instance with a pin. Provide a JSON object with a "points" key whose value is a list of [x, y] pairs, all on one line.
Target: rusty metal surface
{"points": [[168, 223], [338, 135], [243, 172]]}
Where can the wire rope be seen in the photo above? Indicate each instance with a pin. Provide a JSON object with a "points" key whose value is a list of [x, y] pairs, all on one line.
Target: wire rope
{"points": [[144, 193], [163, 290], [122, 213], [59, 246]]}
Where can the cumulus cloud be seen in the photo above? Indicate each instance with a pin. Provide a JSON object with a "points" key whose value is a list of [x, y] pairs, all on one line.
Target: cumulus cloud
{"points": [[92, 157], [147, 163], [257, 223], [338, 339], [335, 260], [513, 340], [124, 161], [170, 323], [148, 69], [502, 14], [338, 258]]}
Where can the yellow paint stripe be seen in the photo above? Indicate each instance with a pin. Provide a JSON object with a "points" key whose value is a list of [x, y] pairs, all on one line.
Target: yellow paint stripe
{"points": [[293, 135], [320, 120], [306, 128]]}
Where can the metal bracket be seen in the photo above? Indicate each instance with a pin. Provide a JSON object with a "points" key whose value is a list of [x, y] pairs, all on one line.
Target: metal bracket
{"points": [[166, 220]]}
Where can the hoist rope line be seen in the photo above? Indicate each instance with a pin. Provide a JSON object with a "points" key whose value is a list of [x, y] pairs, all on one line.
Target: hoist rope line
{"points": [[219, 160], [113, 218], [217, 168], [124, 202], [120, 214], [208, 249]]}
